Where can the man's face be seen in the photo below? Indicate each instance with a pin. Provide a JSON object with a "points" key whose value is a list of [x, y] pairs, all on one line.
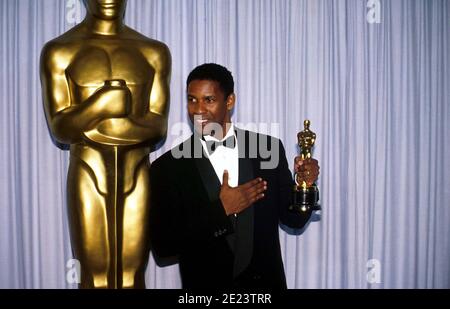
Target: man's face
{"points": [[106, 9], [208, 108]]}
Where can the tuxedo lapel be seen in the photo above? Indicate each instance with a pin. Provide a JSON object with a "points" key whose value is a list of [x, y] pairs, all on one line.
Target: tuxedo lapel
{"points": [[206, 171], [245, 164], [243, 242]]}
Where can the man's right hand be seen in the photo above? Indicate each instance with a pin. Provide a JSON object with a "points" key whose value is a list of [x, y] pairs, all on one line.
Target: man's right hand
{"points": [[235, 200]]}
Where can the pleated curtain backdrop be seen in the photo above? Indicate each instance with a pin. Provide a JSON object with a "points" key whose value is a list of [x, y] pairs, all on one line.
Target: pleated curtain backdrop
{"points": [[372, 76]]}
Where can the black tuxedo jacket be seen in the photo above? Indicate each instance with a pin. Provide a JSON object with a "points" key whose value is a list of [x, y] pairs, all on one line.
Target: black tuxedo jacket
{"points": [[189, 221]]}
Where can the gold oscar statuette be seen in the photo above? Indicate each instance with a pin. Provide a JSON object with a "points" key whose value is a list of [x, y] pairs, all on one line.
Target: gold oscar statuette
{"points": [[305, 198], [105, 93]]}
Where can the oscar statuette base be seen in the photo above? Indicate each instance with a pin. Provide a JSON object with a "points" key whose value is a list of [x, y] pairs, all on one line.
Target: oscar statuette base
{"points": [[305, 199]]}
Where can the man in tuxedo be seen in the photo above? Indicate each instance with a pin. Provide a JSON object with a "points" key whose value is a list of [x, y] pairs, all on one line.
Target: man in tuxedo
{"points": [[217, 198]]}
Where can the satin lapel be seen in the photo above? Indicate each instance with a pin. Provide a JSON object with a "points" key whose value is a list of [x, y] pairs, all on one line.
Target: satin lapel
{"points": [[207, 173], [244, 221], [245, 163]]}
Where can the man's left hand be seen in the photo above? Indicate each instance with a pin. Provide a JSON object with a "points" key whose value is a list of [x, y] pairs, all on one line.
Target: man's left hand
{"points": [[307, 170]]}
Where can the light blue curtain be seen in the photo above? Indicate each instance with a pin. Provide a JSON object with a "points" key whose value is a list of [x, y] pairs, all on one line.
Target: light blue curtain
{"points": [[372, 76]]}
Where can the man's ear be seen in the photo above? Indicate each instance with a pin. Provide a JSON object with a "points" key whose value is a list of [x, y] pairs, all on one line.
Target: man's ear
{"points": [[230, 101]]}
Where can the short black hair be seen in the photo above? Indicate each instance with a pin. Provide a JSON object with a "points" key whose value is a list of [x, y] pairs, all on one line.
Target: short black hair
{"points": [[213, 72]]}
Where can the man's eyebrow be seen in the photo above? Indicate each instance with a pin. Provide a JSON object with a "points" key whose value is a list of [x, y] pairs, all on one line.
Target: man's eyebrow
{"points": [[207, 96]]}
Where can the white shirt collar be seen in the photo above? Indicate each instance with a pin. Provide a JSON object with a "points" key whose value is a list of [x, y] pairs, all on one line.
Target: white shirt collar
{"points": [[229, 133], [224, 158]]}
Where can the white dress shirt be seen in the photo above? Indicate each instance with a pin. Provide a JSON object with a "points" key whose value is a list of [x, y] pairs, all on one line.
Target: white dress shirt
{"points": [[224, 158]]}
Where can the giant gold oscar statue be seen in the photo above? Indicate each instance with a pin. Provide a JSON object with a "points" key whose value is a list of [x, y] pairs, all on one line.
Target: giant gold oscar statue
{"points": [[105, 91]]}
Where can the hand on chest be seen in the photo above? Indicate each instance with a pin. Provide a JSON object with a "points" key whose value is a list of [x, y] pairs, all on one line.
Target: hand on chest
{"points": [[226, 159]]}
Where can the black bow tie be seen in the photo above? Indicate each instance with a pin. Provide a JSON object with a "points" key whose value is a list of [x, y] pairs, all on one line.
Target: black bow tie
{"points": [[212, 145]]}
